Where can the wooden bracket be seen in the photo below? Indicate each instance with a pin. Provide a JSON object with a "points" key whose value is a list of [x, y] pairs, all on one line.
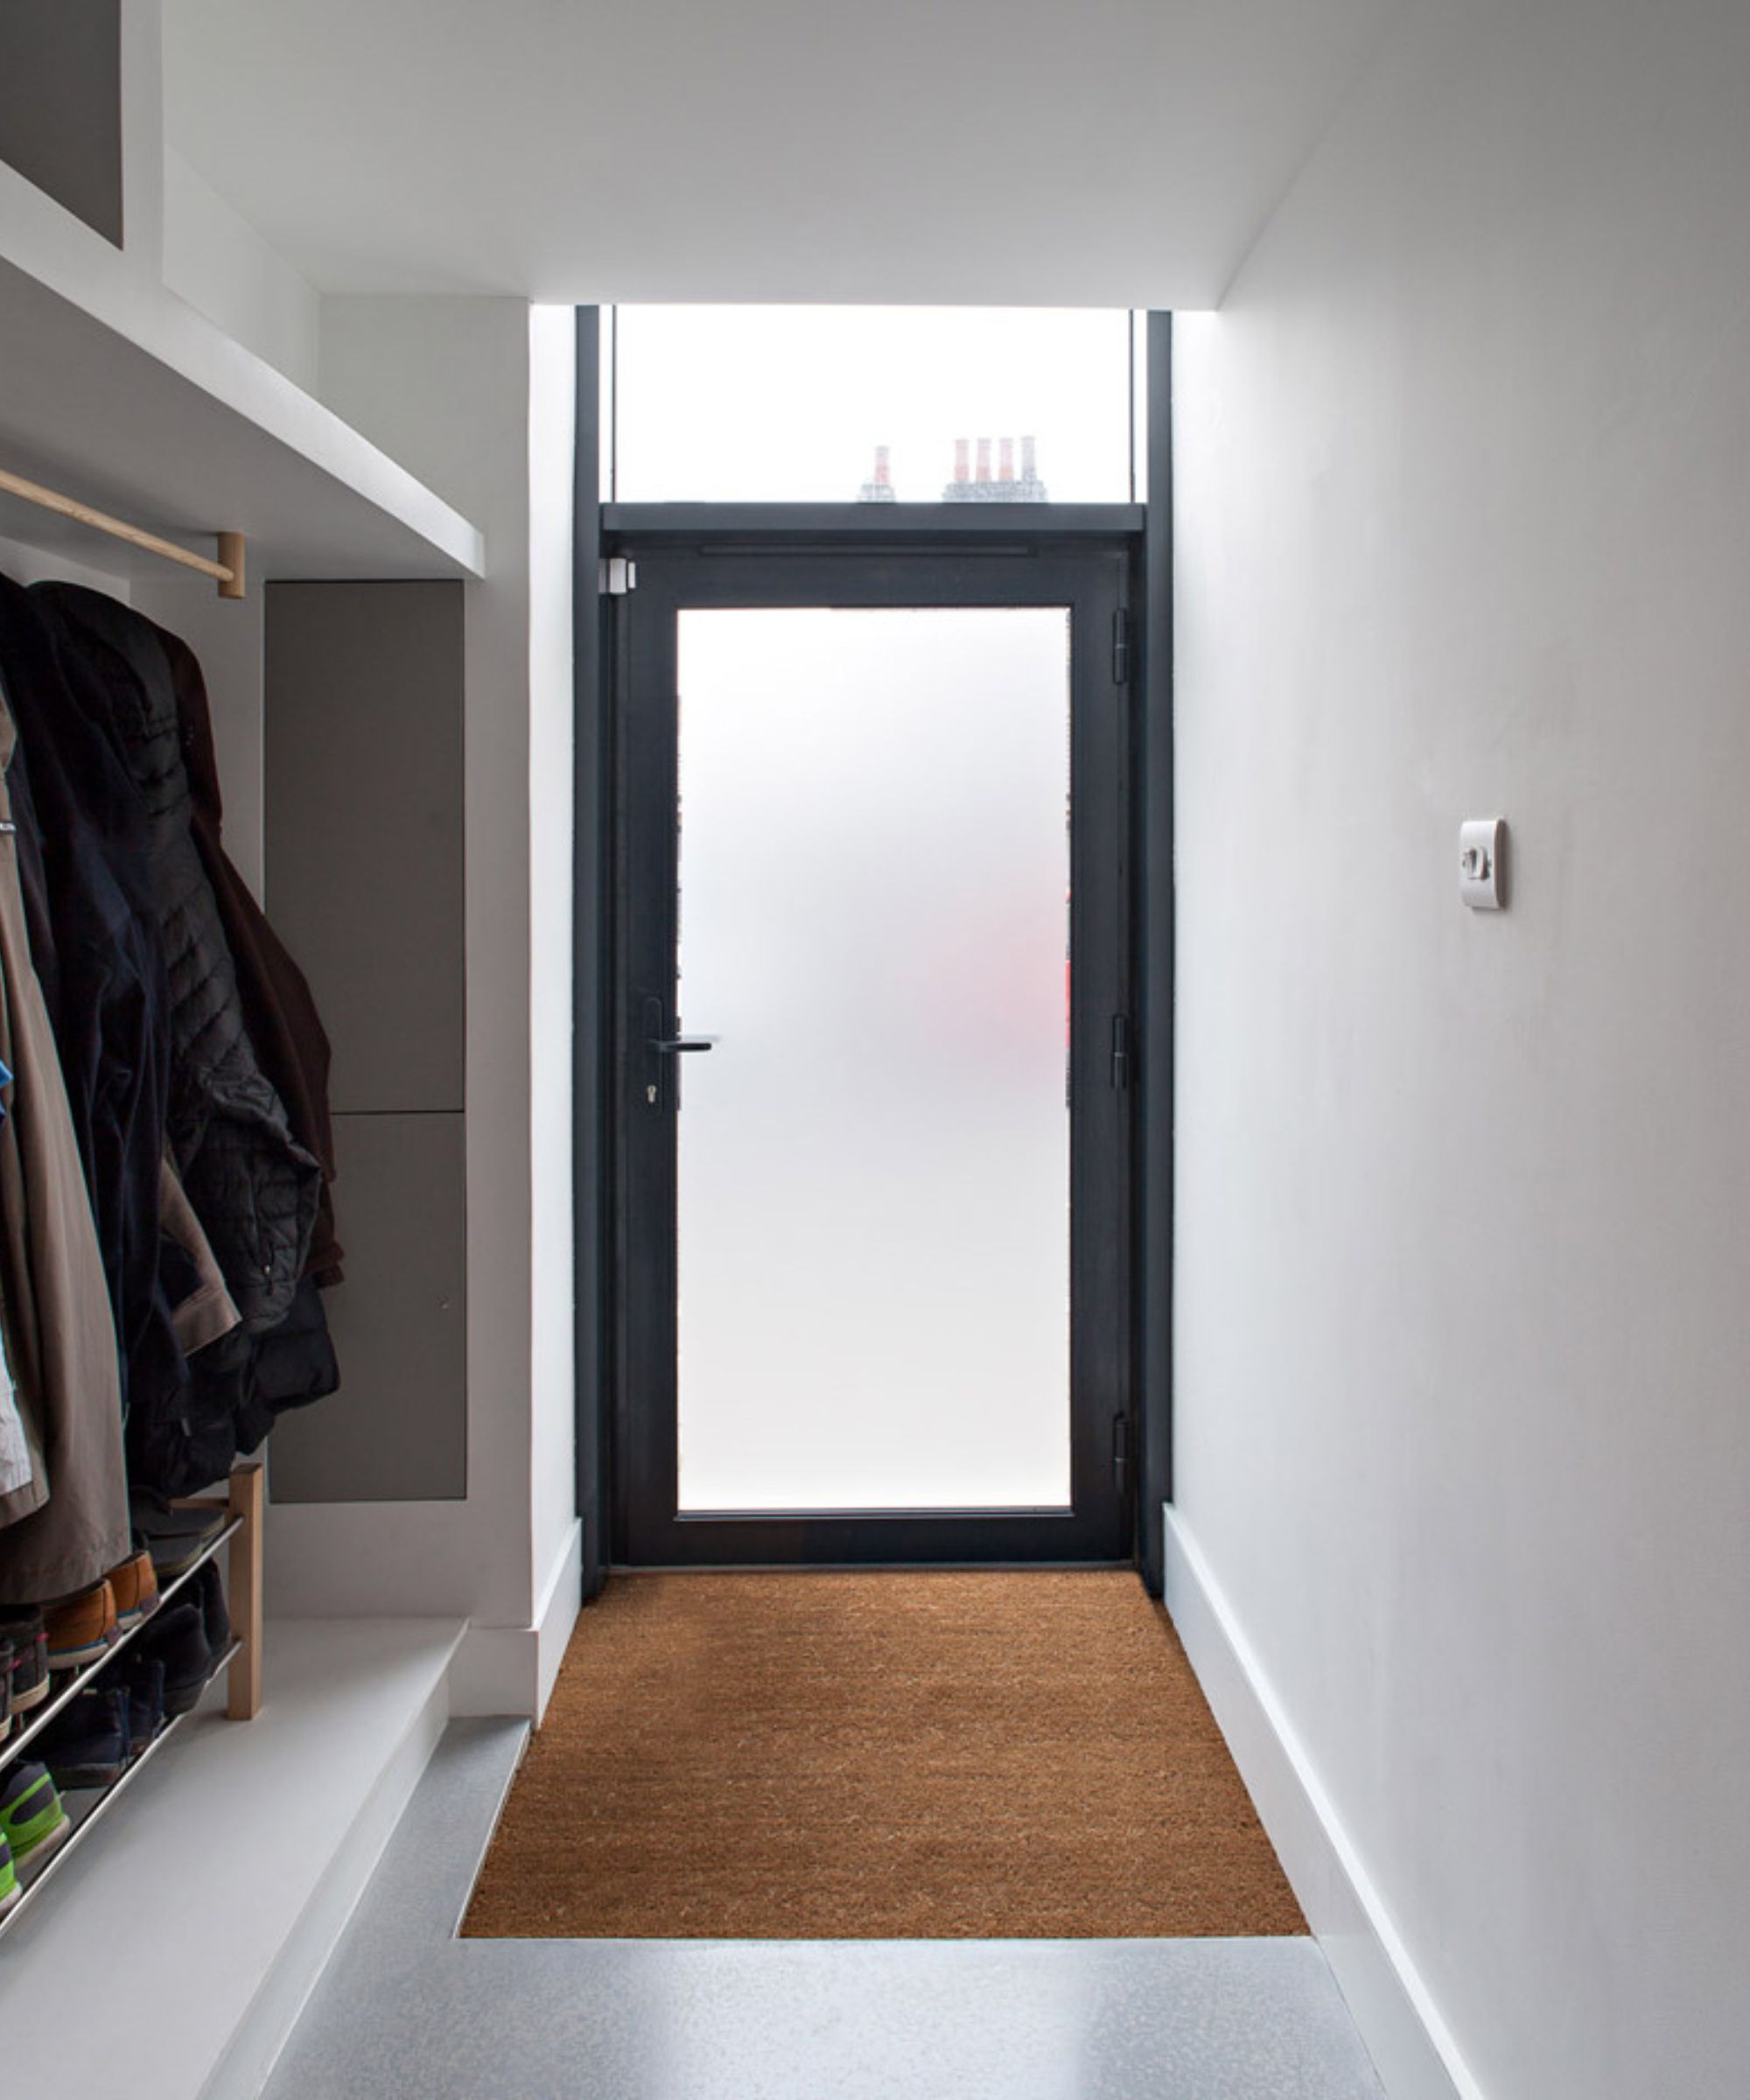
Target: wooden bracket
{"points": [[231, 558], [244, 1592]]}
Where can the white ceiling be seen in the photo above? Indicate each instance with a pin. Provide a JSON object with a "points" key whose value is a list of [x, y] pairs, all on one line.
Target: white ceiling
{"points": [[1102, 152]]}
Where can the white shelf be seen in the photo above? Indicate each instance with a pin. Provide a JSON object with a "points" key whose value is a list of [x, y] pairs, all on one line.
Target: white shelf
{"points": [[114, 391], [226, 1873]]}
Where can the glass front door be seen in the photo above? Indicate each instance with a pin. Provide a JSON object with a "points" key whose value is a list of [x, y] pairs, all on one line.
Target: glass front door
{"points": [[871, 1062]]}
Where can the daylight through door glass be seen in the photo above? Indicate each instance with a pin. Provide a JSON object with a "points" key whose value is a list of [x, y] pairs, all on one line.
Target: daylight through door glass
{"points": [[873, 1160]]}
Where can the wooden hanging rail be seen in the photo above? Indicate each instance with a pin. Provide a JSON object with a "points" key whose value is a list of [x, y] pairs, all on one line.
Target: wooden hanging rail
{"points": [[227, 571]]}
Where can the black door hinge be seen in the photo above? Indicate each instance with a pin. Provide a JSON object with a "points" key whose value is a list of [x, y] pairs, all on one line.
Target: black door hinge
{"points": [[1121, 1452], [1121, 1051], [1121, 648]]}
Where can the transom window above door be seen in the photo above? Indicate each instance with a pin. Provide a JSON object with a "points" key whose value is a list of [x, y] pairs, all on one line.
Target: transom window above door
{"points": [[873, 404]]}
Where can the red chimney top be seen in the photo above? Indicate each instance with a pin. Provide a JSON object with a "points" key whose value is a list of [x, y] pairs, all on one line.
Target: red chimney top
{"points": [[983, 458]]}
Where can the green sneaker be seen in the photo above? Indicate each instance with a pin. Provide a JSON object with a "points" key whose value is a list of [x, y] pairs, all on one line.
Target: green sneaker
{"points": [[10, 1891], [32, 1820]]}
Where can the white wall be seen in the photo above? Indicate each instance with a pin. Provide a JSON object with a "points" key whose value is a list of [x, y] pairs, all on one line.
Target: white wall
{"points": [[27, 561], [215, 259], [1461, 1315], [552, 424], [444, 386]]}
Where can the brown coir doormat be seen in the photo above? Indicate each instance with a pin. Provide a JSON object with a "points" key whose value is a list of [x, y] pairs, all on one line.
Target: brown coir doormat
{"points": [[873, 1756]]}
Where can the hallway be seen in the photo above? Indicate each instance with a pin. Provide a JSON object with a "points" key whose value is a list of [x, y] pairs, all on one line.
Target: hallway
{"points": [[406, 2006], [1416, 1215]]}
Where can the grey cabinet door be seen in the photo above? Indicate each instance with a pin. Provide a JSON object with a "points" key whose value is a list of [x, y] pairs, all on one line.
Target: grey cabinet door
{"points": [[397, 1430], [364, 805], [364, 795], [60, 119]]}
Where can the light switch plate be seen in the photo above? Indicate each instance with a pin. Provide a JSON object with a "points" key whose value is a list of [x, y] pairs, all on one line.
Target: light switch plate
{"points": [[1480, 875]]}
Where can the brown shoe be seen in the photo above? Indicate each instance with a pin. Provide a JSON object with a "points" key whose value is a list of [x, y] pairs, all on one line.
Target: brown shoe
{"points": [[135, 1589], [80, 1628]]}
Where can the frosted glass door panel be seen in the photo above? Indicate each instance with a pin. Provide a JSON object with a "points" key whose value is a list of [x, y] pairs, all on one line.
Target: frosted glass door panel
{"points": [[873, 1162]]}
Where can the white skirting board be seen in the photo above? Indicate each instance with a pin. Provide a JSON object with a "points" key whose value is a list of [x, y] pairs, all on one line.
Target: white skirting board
{"points": [[1413, 2050], [509, 1670]]}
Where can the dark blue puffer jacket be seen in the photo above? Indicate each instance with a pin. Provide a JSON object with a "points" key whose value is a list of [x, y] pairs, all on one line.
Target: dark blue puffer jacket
{"points": [[253, 1187], [84, 868]]}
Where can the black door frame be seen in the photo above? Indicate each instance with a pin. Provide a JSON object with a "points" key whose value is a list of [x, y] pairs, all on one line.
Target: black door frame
{"points": [[1094, 581], [626, 531]]}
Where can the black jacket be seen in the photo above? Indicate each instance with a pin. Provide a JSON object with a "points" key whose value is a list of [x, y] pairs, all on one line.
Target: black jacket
{"points": [[85, 869], [253, 1187]]}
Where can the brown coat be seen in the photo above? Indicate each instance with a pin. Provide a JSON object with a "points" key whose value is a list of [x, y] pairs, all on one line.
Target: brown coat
{"points": [[59, 1336]]}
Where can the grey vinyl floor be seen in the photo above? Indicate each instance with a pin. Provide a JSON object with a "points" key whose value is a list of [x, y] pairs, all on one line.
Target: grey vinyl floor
{"points": [[405, 2008]]}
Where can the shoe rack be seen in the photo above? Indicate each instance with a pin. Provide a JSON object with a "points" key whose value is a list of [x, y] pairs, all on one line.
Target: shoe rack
{"points": [[241, 1508]]}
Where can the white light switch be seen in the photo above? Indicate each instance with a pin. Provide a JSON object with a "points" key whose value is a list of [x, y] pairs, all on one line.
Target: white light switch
{"points": [[1481, 840]]}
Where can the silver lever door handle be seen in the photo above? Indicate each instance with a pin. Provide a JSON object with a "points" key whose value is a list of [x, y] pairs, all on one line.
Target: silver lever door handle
{"points": [[658, 1082]]}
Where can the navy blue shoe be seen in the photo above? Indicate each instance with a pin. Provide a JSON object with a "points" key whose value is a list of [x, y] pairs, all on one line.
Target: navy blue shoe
{"points": [[88, 1741], [177, 1637], [215, 1618], [175, 1537], [142, 1679], [22, 1627]]}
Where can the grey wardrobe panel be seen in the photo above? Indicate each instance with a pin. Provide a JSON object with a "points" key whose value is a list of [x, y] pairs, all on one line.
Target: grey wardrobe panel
{"points": [[60, 104], [396, 1432], [363, 810]]}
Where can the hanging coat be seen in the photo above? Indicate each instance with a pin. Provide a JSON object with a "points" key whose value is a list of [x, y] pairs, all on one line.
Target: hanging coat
{"points": [[61, 1336], [278, 1011], [22, 1486], [253, 1187], [201, 1308], [84, 865]]}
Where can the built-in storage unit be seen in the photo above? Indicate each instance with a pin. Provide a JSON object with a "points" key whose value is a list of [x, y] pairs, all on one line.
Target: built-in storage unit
{"points": [[241, 1510], [118, 397], [365, 867], [60, 104], [169, 423]]}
